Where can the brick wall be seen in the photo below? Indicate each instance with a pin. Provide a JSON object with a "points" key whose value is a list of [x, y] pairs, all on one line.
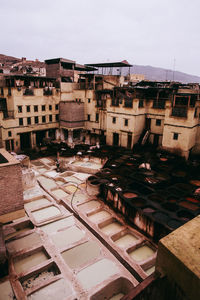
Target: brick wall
{"points": [[71, 114], [11, 194]]}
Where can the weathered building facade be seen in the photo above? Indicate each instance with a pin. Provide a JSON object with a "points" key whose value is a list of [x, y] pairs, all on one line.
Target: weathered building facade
{"points": [[78, 104]]}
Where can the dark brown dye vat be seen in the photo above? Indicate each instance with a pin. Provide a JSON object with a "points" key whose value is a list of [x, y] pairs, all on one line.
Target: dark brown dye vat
{"points": [[156, 198], [139, 202], [192, 199], [183, 186], [148, 210], [174, 224], [172, 199], [185, 215], [95, 182], [179, 173], [188, 205], [170, 206], [91, 178], [129, 195], [161, 217]]}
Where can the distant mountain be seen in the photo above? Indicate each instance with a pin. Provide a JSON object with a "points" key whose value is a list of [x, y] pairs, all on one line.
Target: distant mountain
{"points": [[160, 74], [8, 60]]}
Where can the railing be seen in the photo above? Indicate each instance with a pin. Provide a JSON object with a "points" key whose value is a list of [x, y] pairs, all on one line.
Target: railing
{"points": [[179, 112]]}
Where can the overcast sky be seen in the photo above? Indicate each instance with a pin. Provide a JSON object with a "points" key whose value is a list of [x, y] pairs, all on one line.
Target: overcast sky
{"points": [[159, 33]]}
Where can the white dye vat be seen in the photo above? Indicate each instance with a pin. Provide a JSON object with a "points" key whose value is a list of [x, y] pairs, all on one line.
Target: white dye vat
{"points": [[117, 296], [71, 189], [45, 160], [36, 203], [81, 176], [25, 263], [6, 292], [42, 170], [142, 253], [59, 182], [47, 183], [97, 273], [150, 270], [126, 240], [71, 179], [59, 193], [77, 198], [46, 213], [90, 205], [37, 163], [67, 236], [60, 289], [28, 241], [31, 193], [57, 225], [99, 216], [111, 228], [81, 254], [77, 163], [52, 173]]}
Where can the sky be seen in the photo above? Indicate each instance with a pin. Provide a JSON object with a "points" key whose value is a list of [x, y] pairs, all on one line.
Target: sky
{"points": [[160, 33]]}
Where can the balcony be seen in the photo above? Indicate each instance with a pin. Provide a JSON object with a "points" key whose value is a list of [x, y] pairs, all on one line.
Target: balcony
{"points": [[180, 112], [28, 92], [47, 92]]}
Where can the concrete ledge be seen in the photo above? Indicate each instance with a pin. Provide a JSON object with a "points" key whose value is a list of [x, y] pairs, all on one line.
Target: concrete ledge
{"points": [[12, 216], [179, 258]]}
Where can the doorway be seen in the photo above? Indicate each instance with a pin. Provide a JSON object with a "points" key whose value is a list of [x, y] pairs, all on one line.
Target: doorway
{"points": [[156, 140], [129, 140], [115, 139], [25, 140]]}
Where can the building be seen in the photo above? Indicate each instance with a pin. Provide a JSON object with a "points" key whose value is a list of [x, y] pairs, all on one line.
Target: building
{"points": [[77, 103]]}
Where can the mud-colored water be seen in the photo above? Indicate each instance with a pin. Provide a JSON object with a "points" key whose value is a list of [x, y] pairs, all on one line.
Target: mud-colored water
{"points": [[99, 216], [111, 228], [150, 270], [126, 240], [117, 296], [59, 193], [52, 174], [25, 263], [36, 203], [46, 213], [57, 225], [28, 241], [81, 254], [6, 292], [67, 236], [97, 273], [71, 189], [142, 253], [60, 289], [85, 207]]}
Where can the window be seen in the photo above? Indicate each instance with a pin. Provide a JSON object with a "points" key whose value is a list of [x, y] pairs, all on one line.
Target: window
{"points": [[29, 121], [88, 100], [175, 136], [36, 120], [9, 133], [19, 108], [43, 119], [56, 106], [50, 118], [114, 120], [28, 108], [1, 91], [20, 121], [97, 117], [43, 107], [57, 117], [126, 122], [50, 107], [158, 122], [35, 108], [141, 103], [88, 117]]}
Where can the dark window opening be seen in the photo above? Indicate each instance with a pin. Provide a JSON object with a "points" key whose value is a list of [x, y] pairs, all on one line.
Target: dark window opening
{"points": [[35, 108], [88, 117], [114, 120], [97, 117], [9, 133], [29, 121], [126, 122], [36, 120], [88, 100], [158, 122], [57, 117], [20, 121], [43, 119], [50, 107], [175, 136], [50, 118], [141, 103], [43, 107], [19, 109], [56, 106], [28, 108]]}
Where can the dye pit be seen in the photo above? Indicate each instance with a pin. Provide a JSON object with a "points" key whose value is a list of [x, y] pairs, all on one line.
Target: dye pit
{"points": [[91, 230]]}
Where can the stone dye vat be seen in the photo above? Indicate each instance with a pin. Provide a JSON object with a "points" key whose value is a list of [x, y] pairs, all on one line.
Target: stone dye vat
{"points": [[88, 206], [111, 228], [126, 240], [60, 289], [99, 216], [27, 241], [39, 202], [44, 214], [15, 230], [70, 189], [81, 254], [97, 273], [47, 183], [68, 236], [59, 193], [24, 263], [58, 225], [141, 253], [6, 291]]}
